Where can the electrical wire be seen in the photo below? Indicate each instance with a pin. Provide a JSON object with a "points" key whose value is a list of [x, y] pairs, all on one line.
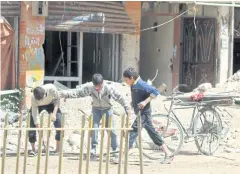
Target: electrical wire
{"points": [[194, 17], [60, 40], [238, 33], [150, 28]]}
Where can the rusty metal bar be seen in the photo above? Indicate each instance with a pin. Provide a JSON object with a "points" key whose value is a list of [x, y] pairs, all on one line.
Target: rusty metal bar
{"points": [[47, 148], [19, 144], [140, 141], [89, 144], [61, 146], [61, 129], [81, 146], [126, 146], [26, 144], [108, 144], [101, 145], [121, 146], [4, 144], [40, 146]]}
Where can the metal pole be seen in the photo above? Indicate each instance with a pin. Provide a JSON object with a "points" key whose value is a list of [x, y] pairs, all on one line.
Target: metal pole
{"points": [[69, 54], [16, 35], [4, 145], [40, 145], [101, 145], [231, 43], [19, 144], [47, 149], [113, 56], [126, 147], [140, 141], [60, 129], [116, 57], [108, 144], [121, 145], [89, 144], [81, 146], [26, 144], [80, 55], [216, 4], [61, 146]]}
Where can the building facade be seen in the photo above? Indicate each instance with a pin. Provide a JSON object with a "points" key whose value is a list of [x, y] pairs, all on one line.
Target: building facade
{"points": [[69, 41], [193, 45]]}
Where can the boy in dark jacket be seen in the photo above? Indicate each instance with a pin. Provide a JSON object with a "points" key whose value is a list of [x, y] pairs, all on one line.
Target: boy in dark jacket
{"points": [[142, 94]]}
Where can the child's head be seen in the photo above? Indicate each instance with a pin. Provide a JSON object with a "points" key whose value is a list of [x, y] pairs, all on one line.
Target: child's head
{"points": [[130, 75], [39, 93], [97, 80]]}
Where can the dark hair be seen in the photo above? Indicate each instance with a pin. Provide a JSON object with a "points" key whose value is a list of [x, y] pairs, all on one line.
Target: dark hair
{"points": [[130, 73], [97, 79], [38, 93]]}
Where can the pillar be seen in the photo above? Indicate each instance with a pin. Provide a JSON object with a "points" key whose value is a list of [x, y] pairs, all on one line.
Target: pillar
{"points": [[31, 55], [131, 42]]}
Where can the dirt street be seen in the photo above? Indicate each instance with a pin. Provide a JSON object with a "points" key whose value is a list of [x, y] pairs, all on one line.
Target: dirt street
{"points": [[187, 162]]}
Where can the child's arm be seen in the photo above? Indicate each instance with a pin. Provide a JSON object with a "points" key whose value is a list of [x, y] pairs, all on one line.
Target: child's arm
{"points": [[153, 92], [83, 91]]}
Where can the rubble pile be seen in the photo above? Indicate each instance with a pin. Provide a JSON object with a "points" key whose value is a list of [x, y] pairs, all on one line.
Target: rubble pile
{"points": [[233, 83]]}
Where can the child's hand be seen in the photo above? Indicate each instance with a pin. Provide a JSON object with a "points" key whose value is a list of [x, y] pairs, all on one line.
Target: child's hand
{"points": [[142, 105], [53, 117]]}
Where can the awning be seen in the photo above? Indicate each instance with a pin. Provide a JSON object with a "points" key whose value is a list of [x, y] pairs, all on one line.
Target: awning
{"points": [[88, 16], [10, 8], [7, 55]]}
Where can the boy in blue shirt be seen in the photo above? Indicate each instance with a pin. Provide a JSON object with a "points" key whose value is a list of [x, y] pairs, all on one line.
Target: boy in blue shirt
{"points": [[142, 93]]}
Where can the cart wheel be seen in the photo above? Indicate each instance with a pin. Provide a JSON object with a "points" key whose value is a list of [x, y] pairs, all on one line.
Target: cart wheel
{"points": [[207, 130], [173, 137]]}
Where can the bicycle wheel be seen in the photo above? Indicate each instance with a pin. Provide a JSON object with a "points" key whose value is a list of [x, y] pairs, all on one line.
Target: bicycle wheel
{"points": [[173, 137], [207, 126]]}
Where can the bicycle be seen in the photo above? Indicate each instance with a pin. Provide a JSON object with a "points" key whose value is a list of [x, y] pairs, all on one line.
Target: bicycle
{"points": [[200, 127]]}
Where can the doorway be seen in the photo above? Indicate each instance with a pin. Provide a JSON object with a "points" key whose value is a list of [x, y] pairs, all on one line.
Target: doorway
{"points": [[101, 55], [198, 51], [61, 51], [236, 55], [75, 57]]}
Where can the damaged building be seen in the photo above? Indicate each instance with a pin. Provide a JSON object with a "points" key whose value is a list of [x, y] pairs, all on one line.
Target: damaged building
{"points": [[69, 41]]}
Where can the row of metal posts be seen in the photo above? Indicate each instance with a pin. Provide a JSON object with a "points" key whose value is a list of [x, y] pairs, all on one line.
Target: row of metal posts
{"points": [[82, 129]]}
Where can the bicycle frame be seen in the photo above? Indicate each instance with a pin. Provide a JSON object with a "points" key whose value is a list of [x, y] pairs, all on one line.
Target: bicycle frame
{"points": [[171, 111], [187, 105]]}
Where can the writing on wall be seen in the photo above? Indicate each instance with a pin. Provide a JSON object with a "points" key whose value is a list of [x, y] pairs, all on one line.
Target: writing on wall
{"points": [[32, 35]]}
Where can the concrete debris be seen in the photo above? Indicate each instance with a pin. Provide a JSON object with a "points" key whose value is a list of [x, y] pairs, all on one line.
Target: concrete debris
{"points": [[232, 83], [235, 77], [74, 140], [12, 116], [204, 87], [232, 150]]}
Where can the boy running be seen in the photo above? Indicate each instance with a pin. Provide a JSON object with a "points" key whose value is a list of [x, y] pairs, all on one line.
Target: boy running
{"points": [[142, 94]]}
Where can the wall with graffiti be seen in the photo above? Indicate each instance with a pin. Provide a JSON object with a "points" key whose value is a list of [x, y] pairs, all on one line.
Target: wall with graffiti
{"points": [[32, 35]]}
